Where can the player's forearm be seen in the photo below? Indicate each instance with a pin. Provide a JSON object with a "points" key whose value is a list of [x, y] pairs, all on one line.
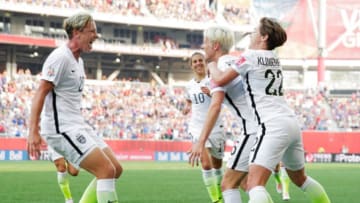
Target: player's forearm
{"points": [[209, 124], [36, 108], [187, 107]]}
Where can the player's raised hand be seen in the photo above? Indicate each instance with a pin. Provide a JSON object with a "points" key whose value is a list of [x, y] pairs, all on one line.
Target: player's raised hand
{"points": [[186, 110], [205, 90]]}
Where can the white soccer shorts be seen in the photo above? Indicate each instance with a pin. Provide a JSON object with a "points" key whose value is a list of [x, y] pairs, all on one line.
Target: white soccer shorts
{"points": [[279, 140], [215, 142], [239, 159], [53, 155], [75, 145]]}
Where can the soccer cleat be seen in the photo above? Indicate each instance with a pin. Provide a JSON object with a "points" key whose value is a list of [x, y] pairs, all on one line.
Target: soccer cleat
{"points": [[285, 196], [278, 187]]}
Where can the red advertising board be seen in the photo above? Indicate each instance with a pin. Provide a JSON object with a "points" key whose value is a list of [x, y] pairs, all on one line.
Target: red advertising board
{"points": [[330, 142]]}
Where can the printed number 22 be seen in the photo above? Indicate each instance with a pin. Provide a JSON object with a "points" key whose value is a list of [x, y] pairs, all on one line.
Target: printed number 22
{"points": [[270, 90]]}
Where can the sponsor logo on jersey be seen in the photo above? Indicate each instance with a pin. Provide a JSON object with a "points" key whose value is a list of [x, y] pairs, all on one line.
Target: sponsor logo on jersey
{"points": [[81, 138], [240, 61], [50, 72]]}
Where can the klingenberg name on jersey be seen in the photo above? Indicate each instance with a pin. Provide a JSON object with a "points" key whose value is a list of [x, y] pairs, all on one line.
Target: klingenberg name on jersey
{"points": [[265, 61]]}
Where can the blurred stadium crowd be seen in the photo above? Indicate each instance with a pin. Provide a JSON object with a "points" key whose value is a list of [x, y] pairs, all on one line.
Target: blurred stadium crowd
{"points": [[187, 10], [130, 109], [136, 110]]}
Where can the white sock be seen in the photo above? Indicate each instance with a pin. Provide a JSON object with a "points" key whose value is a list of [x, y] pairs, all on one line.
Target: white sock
{"points": [[63, 181], [210, 184], [105, 191], [207, 173], [259, 194], [218, 174], [232, 196], [62, 177], [315, 191]]}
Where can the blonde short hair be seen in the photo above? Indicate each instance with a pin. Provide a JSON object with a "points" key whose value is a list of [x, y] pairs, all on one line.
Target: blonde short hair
{"points": [[76, 22], [221, 34]]}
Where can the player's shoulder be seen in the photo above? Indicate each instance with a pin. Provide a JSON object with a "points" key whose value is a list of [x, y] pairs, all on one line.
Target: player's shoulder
{"points": [[191, 83], [58, 54], [250, 56], [226, 61]]}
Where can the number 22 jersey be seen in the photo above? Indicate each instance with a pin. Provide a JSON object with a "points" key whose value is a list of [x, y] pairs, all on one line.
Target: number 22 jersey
{"points": [[263, 83]]}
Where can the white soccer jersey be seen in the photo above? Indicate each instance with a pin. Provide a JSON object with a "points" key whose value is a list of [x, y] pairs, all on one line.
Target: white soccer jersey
{"points": [[235, 98], [200, 103], [279, 138], [263, 82], [61, 111]]}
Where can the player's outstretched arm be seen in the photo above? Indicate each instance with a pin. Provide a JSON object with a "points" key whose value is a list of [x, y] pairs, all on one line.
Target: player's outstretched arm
{"points": [[211, 117], [34, 140], [219, 77]]}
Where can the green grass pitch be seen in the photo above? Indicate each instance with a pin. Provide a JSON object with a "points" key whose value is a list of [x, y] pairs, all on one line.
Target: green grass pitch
{"points": [[159, 182]]}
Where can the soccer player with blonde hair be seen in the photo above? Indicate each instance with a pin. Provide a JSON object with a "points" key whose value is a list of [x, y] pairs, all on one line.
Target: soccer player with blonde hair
{"points": [[217, 43], [279, 137], [63, 127]]}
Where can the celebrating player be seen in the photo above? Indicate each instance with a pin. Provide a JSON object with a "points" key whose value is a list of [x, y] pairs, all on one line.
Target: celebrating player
{"points": [[62, 125], [279, 137], [217, 42], [198, 101]]}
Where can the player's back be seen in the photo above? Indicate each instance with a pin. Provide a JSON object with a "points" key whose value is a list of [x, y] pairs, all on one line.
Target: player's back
{"points": [[263, 81], [235, 98]]}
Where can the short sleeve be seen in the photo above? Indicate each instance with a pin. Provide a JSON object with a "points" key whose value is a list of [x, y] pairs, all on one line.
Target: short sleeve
{"points": [[52, 69], [215, 87], [241, 65]]}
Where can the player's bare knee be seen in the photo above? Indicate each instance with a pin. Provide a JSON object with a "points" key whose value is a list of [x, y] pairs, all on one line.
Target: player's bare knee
{"points": [[206, 166], [119, 171], [107, 171], [298, 179], [60, 167], [73, 172], [225, 185]]}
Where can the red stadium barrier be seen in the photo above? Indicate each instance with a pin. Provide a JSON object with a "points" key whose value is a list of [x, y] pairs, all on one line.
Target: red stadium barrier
{"points": [[148, 145], [330, 142], [22, 40], [12, 144]]}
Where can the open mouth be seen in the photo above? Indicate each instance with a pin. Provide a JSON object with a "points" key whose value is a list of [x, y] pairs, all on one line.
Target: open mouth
{"points": [[91, 43]]}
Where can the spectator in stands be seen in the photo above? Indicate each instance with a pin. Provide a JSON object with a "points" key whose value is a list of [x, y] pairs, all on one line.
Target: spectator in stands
{"points": [[2, 128]]}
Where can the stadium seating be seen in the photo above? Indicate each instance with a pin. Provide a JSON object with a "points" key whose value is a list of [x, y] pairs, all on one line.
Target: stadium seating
{"points": [[137, 110]]}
